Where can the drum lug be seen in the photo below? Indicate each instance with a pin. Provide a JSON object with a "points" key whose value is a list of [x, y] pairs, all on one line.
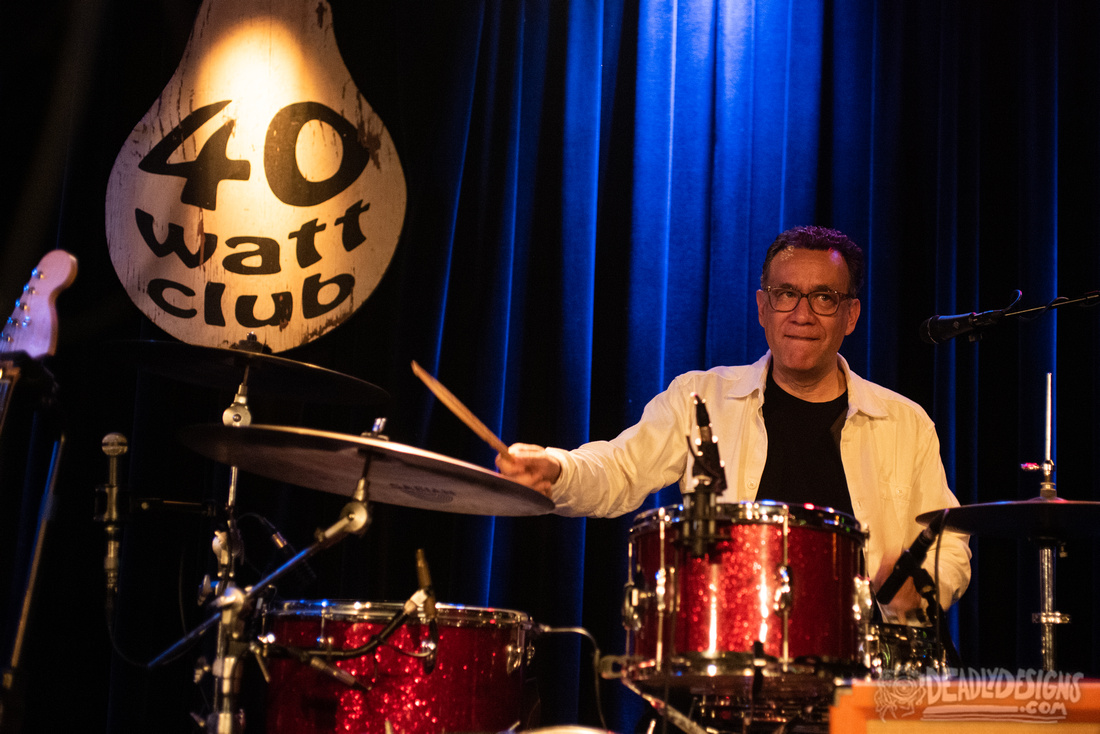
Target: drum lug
{"points": [[782, 600], [514, 657], [862, 609], [660, 593], [428, 647], [633, 600], [864, 601]]}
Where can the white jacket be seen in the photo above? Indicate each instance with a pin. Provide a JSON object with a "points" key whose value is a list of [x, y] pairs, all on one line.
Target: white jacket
{"points": [[888, 447]]}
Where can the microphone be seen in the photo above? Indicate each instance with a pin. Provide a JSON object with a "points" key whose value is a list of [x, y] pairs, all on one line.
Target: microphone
{"points": [[284, 551], [708, 481], [939, 329], [911, 559], [307, 657], [709, 471], [114, 445], [337, 674], [424, 578]]}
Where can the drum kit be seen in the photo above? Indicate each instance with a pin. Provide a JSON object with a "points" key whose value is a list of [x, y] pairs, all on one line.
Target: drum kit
{"points": [[759, 629]]}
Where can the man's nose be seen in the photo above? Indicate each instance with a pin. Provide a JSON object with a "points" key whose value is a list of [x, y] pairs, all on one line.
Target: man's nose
{"points": [[802, 309]]}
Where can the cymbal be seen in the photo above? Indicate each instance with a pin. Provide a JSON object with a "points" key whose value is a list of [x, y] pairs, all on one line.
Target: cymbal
{"points": [[224, 368], [334, 462], [1056, 519]]}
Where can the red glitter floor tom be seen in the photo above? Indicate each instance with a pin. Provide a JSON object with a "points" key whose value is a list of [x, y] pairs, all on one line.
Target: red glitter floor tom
{"points": [[777, 607], [478, 684]]}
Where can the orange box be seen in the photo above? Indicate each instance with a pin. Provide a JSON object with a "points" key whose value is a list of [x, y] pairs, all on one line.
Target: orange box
{"points": [[998, 702]]}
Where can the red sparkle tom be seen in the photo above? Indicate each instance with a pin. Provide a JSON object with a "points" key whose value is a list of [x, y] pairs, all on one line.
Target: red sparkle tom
{"points": [[478, 683], [777, 605]]}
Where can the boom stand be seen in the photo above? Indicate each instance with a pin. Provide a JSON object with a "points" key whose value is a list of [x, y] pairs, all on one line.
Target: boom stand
{"points": [[234, 603]]}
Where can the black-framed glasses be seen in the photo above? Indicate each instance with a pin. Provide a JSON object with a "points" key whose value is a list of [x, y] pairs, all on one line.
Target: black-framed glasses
{"points": [[824, 302]]}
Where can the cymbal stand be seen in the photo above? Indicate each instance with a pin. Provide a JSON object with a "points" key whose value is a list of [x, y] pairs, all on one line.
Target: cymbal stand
{"points": [[231, 645], [1046, 618], [234, 604], [226, 543]]}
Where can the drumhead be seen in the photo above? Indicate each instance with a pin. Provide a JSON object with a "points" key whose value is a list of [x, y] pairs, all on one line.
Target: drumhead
{"points": [[450, 615], [763, 512]]}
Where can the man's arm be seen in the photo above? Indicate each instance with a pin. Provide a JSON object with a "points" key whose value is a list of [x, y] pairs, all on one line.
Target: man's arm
{"points": [[610, 478]]}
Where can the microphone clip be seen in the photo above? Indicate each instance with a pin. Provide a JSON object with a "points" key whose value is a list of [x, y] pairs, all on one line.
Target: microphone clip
{"points": [[708, 482]]}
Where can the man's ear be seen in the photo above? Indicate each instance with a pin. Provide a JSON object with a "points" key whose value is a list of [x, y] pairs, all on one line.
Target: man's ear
{"points": [[853, 315]]}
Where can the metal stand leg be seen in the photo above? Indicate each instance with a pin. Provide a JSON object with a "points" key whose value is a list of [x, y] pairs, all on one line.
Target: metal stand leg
{"points": [[1047, 617]]}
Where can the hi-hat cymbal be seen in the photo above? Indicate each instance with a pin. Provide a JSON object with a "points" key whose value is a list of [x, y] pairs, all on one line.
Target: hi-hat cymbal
{"points": [[334, 462], [224, 368], [1038, 518]]}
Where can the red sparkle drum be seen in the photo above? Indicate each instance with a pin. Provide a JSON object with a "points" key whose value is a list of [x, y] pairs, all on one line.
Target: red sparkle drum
{"points": [[778, 606], [478, 683]]}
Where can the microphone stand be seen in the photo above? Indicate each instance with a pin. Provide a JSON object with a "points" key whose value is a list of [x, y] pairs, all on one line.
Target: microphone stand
{"points": [[948, 653], [12, 693], [234, 602], [976, 323]]}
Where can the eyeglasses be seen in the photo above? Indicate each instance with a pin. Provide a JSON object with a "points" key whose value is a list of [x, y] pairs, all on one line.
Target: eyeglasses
{"points": [[822, 302]]}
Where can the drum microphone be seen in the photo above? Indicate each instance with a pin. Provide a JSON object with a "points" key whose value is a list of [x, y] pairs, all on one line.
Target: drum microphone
{"points": [[911, 559], [709, 481], [284, 550], [323, 667], [424, 578]]}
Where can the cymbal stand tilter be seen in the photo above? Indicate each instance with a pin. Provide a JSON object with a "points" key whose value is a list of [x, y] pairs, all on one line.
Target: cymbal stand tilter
{"points": [[1047, 618]]}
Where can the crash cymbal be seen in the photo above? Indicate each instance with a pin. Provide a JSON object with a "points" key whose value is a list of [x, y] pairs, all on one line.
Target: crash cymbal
{"points": [[334, 462], [1056, 519], [224, 368]]}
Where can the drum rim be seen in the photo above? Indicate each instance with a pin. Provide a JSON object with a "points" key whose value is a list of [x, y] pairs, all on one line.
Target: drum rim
{"points": [[766, 512], [352, 610]]}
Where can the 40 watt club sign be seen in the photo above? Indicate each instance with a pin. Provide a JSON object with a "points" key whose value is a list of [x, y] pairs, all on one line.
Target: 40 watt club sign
{"points": [[260, 192]]}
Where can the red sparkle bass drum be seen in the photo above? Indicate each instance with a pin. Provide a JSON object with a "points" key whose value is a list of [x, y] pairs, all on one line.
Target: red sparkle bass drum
{"points": [[778, 605], [478, 683]]}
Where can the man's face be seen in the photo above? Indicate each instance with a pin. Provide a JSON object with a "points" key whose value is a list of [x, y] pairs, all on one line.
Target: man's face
{"points": [[804, 345]]}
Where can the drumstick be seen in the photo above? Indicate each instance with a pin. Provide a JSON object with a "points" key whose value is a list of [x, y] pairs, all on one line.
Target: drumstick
{"points": [[461, 411]]}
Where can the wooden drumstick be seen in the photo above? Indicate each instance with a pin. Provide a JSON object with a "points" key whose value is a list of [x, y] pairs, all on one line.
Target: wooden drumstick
{"points": [[461, 411]]}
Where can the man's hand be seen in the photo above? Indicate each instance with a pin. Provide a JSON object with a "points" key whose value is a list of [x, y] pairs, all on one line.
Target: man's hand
{"points": [[906, 604], [530, 466]]}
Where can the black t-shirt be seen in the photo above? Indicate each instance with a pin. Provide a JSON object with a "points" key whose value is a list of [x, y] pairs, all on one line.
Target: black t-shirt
{"points": [[803, 465]]}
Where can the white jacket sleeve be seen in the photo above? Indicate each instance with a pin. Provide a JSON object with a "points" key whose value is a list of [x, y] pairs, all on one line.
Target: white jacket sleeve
{"points": [[611, 478]]}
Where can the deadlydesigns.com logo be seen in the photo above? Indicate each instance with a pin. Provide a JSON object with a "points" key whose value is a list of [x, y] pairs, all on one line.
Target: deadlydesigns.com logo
{"points": [[1026, 696]]}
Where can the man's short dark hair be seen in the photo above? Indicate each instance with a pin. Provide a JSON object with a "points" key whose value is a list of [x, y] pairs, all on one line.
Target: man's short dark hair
{"points": [[812, 237]]}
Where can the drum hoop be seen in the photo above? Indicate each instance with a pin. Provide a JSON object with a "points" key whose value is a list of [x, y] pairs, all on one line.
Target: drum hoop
{"points": [[759, 512], [346, 610]]}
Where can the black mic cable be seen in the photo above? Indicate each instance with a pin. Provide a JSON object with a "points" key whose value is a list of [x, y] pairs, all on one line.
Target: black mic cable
{"points": [[910, 560]]}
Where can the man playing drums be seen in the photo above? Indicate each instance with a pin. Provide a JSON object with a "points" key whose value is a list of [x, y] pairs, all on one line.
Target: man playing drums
{"points": [[798, 426]]}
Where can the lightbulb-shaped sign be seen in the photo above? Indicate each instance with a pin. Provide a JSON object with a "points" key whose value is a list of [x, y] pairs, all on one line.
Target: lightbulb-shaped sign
{"points": [[260, 193]]}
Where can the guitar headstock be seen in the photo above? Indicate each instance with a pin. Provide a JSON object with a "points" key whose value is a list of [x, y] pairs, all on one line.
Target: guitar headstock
{"points": [[32, 326]]}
